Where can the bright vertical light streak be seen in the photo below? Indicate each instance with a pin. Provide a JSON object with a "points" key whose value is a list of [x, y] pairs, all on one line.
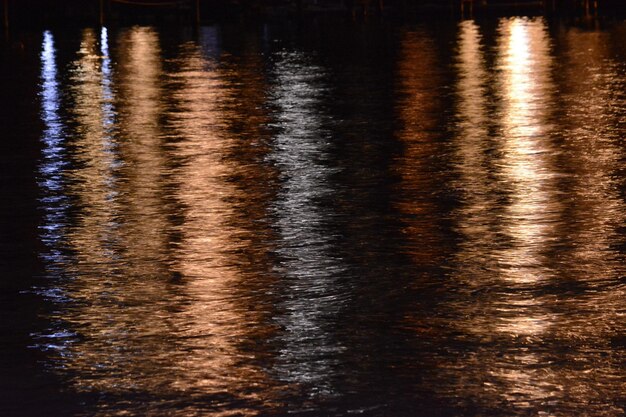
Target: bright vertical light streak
{"points": [[50, 95], [526, 172], [472, 143], [473, 120], [107, 93], [208, 237], [104, 42], [93, 183], [309, 265], [52, 164], [527, 175]]}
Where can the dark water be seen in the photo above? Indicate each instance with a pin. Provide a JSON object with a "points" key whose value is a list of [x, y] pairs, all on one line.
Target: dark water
{"points": [[318, 219]]}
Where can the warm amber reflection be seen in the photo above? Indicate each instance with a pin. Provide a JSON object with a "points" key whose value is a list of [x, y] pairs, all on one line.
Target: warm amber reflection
{"points": [[513, 252], [474, 142], [169, 290], [419, 112], [106, 301], [139, 81], [593, 152]]}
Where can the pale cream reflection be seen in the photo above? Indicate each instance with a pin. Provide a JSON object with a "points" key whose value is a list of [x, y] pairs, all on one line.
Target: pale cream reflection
{"points": [[503, 250], [527, 169], [528, 174]]}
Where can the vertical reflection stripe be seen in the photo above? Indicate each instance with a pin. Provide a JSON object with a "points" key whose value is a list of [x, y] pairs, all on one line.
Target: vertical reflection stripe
{"points": [[309, 266]]}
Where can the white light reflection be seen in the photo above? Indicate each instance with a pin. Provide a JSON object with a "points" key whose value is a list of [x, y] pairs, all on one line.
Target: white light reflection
{"points": [[53, 200], [309, 266], [52, 165], [107, 93]]}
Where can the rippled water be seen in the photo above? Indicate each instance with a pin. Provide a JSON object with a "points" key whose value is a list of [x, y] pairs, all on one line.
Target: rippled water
{"points": [[318, 219]]}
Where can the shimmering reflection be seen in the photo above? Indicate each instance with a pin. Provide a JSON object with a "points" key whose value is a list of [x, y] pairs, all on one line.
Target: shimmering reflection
{"points": [[211, 254], [505, 241], [94, 156], [474, 143], [139, 82], [312, 298], [52, 165], [527, 170], [512, 258], [593, 154], [91, 234], [420, 162], [225, 232], [51, 176], [527, 224]]}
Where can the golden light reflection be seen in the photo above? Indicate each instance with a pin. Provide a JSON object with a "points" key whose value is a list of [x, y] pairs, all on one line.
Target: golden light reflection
{"points": [[592, 95], [208, 237], [473, 141], [218, 234], [594, 109], [117, 239], [163, 245], [93, 183], [139, 82]]}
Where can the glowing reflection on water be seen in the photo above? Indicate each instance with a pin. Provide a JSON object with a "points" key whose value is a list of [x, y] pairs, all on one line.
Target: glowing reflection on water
{"points": [[312, 298], [52, 164], [512, 256], [194, 224]]}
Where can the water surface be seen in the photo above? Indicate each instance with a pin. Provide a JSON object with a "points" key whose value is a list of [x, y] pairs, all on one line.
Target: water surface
{"points": [[371, 219]]}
